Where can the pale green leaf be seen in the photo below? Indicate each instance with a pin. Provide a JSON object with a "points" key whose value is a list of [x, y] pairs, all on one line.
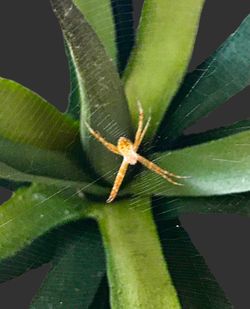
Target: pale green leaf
{"points": [[26, 118], [33, 211], [159, 60]]}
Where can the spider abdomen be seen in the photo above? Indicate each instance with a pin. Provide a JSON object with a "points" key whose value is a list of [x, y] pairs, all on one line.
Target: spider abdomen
{"points": [[126, 149]]}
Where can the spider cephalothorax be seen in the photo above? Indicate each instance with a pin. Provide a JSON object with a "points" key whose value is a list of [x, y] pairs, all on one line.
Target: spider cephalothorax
{"points": [[128, 150]]}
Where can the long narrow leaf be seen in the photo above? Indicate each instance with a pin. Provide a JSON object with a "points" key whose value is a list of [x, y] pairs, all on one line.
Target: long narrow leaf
{"points": [[77, 270], [196, 286], [220, 77], [34, 211], [39, 252], [237, 204], [101, 300], [26, 118], [99, 15], [103, 103], [214, 168], [25, 163], [123, 16], [40, 162], [11, 184], [208, 136], [11, 174], [159, 60]]}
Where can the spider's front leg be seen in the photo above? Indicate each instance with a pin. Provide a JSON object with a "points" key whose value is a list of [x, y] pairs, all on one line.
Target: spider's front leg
{"points": [[140, 123], [102, 140], [140, 133]]}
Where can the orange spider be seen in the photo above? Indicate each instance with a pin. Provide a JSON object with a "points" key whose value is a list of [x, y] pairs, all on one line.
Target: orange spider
{"points": [[128, 151]]}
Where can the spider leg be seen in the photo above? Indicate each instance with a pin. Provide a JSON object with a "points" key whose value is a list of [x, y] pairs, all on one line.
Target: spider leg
{"points": [[137, 145], [155, 168], [140, 123], [118, 181], [140, 133], [102, 140]]}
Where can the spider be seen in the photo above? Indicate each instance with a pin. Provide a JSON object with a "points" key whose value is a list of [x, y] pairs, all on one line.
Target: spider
{"points": [[128, 150]]}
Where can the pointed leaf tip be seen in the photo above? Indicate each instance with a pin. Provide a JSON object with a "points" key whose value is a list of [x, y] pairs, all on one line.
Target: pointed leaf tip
{"points": [[159, 60], [103, 102], [225, 73]]}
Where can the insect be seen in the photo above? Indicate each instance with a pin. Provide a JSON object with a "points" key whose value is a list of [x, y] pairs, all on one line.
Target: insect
{"points": [[128, 150]]}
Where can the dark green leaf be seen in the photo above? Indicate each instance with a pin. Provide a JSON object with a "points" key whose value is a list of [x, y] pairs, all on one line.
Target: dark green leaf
{"points": [[214, 168], [77, 270], [25, 163], [26, 118], [40, 162], [12, 185], [101, 300], [12, 174], [196, 286], [74, 105], [39, 252], [33, 211], [35, 138], [237, 204], [123, 15], [216, 80], [204, 137], [159, 60], [98, 13], [103, 103]]}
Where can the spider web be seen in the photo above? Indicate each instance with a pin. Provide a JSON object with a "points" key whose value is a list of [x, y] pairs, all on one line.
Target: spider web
{"points": [[118, 133]]}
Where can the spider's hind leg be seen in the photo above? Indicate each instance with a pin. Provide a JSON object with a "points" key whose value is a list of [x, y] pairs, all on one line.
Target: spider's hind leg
{"points": [[158, 170], [165, 172]]}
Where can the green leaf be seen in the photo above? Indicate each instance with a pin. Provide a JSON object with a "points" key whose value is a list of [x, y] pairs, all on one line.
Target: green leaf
{"points": [[220, 77], [35, 138], [214, 168], [26, 118], [101, 300], [99, 16], [25, 163], [98, 13], [163, 48], [137, 274], [77, 270], [12, 174], [236, 204], [204, 137], [103, 102], [39, 252], [123, 15], [40, 162], [34, 211], [196, 286], [12, 185]]}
